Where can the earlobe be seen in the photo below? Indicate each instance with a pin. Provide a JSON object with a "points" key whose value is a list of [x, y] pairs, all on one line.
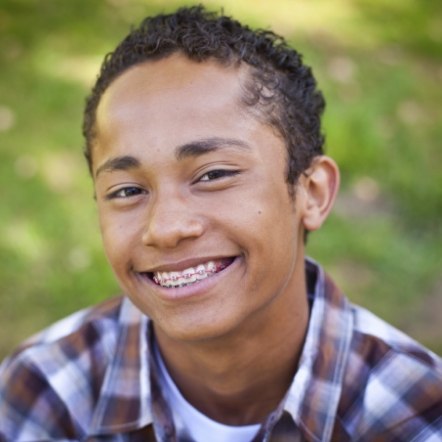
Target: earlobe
{"points": [[320, 184]]}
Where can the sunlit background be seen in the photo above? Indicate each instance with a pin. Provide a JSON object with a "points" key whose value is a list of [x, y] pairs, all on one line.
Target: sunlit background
{"points": [[379, 63]]}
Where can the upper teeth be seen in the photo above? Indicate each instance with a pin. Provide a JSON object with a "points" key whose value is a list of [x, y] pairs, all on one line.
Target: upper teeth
{"points": [[185, 277]]}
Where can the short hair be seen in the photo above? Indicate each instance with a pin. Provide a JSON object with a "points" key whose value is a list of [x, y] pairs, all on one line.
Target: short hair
{"points": [[279, 86]]}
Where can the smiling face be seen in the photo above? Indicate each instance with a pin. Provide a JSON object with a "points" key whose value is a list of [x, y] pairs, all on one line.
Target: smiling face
{"points": [[195, 213]]}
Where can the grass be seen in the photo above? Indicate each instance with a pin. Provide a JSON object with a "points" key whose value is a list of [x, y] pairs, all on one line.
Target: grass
{"points": [[380, 67]]}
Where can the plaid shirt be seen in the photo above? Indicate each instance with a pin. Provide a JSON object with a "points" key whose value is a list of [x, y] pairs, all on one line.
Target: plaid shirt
{"points": [[92, 377]]}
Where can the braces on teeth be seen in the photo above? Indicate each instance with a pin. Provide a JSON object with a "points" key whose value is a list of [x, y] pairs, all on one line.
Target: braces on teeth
{"points": [[187, 276]]}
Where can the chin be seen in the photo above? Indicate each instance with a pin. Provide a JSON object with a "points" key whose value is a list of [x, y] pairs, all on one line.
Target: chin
{"points": [[195, 330]]}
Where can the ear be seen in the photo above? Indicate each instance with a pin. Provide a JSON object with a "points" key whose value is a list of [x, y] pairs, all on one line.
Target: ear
{"points": [[319, 186]]}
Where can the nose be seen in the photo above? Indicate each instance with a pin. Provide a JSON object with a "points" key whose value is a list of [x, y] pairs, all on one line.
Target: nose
{"points": [[170, 221]]}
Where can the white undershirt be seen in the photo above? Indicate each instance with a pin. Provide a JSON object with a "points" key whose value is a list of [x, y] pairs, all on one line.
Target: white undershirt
{"points": [[191, 423]]}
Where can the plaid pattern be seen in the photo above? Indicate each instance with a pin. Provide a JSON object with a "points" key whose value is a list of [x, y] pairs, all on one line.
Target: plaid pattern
{"points": [[92, 377]]}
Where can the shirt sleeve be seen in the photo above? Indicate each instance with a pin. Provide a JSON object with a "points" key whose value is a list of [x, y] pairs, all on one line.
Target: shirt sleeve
{"points": [[29, 408]]}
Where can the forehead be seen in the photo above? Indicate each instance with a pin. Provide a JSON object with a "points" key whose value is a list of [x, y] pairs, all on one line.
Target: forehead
{"points": [[158, 105], [174, 82]]}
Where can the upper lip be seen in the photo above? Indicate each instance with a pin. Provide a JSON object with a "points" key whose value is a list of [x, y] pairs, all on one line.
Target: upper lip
{"points": [[184, 264]]}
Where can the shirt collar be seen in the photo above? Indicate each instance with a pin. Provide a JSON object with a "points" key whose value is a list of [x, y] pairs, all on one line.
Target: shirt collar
{"points": [[314, 395], [125, 396]]}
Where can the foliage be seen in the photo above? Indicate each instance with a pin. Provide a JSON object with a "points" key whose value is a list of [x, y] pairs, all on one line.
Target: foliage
{"points": [[380, 66]]}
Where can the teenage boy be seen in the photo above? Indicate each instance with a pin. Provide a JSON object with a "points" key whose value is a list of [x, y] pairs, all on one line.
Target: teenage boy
{"points": [[203, 139]]}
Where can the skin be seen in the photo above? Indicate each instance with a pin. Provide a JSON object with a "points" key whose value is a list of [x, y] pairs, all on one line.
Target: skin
{"points": [[184, 174]]}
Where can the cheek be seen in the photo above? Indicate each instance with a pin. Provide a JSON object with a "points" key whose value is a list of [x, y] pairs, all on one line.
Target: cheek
{"points": [[116, 239], [277, 227]]}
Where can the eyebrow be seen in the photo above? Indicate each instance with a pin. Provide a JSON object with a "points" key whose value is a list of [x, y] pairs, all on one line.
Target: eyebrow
{"points": [[118, 163], [192, 149], [202, 147]]}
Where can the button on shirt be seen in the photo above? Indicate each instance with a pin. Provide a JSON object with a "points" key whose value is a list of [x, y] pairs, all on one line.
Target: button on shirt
{"points": [[93, 377]]}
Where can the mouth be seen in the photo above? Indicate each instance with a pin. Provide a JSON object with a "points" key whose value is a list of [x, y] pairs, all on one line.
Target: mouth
{"points": [[189, 276]]}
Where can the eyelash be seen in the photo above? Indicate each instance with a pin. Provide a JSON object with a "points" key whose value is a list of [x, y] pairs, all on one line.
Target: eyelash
{"points": [[219, 174], [117, 193]]}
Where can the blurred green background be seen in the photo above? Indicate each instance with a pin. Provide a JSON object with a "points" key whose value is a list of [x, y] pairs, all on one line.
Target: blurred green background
{"points": [[379, 63]]}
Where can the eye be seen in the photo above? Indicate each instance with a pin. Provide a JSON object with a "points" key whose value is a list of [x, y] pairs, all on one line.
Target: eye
{"points": [[125, 192], [216, 174]]}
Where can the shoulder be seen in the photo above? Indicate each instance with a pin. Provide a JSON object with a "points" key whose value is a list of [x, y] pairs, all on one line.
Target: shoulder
{"points": [[392, 384], [51, 381], [70, 340]]}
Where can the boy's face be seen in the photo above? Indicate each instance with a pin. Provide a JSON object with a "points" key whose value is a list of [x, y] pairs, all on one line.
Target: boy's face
{"points": [[191, 191]]}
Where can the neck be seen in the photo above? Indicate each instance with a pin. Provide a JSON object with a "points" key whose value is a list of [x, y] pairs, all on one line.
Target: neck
{"points": [[239, 379]]}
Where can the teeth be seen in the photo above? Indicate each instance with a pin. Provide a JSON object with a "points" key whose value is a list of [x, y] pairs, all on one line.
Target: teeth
{"points": [[187, 276]]}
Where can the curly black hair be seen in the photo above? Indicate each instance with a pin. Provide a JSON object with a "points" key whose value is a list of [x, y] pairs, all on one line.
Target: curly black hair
{"points": [[279, 85]]}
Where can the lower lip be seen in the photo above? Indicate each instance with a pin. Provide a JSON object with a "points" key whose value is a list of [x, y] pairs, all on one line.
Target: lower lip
{"points": [[196, 289]]}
